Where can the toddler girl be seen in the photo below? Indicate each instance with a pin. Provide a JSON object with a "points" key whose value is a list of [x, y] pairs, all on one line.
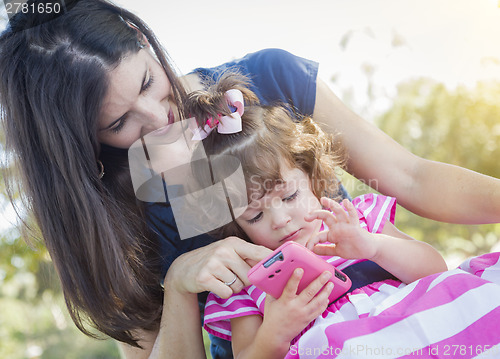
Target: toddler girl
{"points": [[289, 168]]}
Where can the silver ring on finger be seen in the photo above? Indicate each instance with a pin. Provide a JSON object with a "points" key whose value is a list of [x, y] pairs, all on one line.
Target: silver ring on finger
{"points": [[231, 282]]}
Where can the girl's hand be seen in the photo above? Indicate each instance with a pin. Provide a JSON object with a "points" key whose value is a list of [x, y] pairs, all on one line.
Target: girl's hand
{"points": [[346, 237], [208, 267], [287, 316]]}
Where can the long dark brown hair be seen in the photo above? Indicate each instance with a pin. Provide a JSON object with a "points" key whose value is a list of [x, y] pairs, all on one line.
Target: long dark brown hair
{"points": [[269, 139], [53, 78]]}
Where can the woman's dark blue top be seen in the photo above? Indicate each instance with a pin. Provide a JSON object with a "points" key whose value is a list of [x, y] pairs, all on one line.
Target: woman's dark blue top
{"points": [[277, 77]]}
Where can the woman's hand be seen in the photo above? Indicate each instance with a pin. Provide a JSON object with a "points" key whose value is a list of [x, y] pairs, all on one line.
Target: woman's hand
{"points": [[209, 267], [203, 269], [349, 239]]}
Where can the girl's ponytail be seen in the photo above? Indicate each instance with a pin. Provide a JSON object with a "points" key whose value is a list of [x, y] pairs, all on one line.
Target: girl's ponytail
{"points": [[211, 102]]}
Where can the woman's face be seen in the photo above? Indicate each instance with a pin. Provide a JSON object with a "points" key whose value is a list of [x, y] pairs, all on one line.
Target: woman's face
{"points": [[139, 100]]}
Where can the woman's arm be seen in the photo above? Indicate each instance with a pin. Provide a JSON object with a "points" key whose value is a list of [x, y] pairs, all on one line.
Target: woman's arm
{"points": [[203, 269], [180, 331], [430, 189]]}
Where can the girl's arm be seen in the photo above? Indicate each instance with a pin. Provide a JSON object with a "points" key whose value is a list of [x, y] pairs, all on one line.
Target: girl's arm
{"points": [[203, 269], [405, 257], [393, 250], [284, 318], [430, 189]]}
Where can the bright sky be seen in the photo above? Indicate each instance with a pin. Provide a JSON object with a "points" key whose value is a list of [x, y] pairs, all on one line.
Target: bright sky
{"points": [[452, 41]]}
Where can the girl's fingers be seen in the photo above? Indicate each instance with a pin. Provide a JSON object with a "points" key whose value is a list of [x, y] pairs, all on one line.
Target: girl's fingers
{"points": [[291, 287], [321, 301], [324, 292], [315, 286], [325, 215], [351, 210], [325, 249], [321, 237], [336, 208]]}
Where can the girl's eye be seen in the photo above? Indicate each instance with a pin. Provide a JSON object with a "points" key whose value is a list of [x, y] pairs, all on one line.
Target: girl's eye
{"points": [[148, 84], [291, 197], [255, 219]]}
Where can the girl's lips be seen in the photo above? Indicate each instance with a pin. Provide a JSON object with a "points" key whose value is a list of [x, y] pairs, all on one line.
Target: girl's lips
{"points": [[292, 236]]}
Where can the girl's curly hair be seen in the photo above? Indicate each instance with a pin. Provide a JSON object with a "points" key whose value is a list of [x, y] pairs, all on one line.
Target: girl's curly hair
{"points": [[269, 140]]}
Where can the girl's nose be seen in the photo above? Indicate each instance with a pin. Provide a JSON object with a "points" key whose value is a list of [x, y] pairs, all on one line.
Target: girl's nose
{"points": [[280, 219]]}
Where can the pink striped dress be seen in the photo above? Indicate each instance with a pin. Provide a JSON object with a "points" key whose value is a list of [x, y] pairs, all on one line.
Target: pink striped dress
{"points": [[373, 210], [452, 314]]}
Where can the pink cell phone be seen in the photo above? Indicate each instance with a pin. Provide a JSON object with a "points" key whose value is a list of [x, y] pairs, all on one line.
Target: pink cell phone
{"points": [[272, 273]]}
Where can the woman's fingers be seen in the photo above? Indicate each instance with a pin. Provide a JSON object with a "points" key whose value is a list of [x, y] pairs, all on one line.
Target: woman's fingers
{"points": [[239, 256], [219, 288], [249, 252], [231, 280], [209, 268]]}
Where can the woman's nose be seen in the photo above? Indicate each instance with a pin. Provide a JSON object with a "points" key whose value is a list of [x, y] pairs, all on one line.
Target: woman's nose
{"points": [[153, 114]]}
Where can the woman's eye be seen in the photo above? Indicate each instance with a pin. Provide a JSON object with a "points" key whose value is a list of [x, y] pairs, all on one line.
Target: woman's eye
{"points": [[255, 219], [119, 125], [148, 84], [291, 197]]}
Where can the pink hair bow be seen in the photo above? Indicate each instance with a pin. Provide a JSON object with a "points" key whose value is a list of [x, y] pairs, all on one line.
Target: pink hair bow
{"points": [[225, 124]]}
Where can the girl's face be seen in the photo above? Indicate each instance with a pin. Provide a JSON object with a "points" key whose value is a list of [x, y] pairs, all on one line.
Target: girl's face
{"points": [[278, 217], [139, 100]]}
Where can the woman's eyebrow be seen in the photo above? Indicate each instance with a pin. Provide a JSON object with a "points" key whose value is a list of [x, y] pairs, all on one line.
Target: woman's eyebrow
{"points": [[122, 117]]}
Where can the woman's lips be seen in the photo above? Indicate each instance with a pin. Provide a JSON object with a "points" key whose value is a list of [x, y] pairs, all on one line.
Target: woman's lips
{"points": [[163, 130], [171, 118]]}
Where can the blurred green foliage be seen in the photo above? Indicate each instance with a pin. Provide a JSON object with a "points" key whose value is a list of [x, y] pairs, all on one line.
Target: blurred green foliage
{"points": [[33, 319], [461, 127]]}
